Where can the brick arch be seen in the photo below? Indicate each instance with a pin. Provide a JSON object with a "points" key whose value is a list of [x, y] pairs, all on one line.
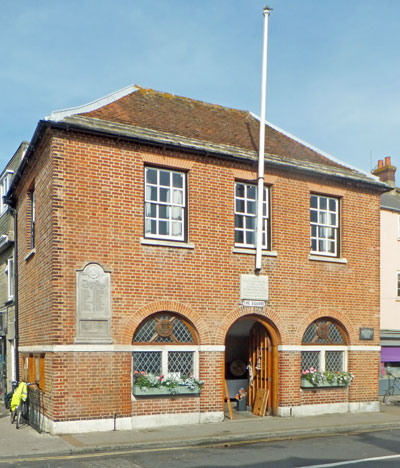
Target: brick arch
{"points": [[266, 314], [169, 306], [333, 314]]}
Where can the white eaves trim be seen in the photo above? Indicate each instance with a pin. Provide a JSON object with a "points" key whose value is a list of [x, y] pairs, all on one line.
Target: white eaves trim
{"points": [[317, 150], [56, 116]]}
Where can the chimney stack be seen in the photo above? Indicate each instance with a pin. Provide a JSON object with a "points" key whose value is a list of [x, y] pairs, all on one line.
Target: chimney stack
{"points": [[386, 172]]}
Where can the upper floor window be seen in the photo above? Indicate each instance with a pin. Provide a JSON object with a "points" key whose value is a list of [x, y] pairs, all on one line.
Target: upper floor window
{"points": [[165, 204], [32, 203], [10, 278], [324, 220], [4, 186], [246, 215], [398, 285]]}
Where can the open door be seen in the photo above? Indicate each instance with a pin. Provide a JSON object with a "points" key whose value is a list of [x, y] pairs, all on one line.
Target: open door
{"points": [[260, 360]]}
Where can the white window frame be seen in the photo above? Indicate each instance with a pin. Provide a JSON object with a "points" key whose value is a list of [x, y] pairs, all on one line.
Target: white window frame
{"points": [[5, 182], [165, 349], [398, 285], [169, 205], [321, 349], [247, 214], [32, 199], [398, 227], [323, 224], [10, 278]]}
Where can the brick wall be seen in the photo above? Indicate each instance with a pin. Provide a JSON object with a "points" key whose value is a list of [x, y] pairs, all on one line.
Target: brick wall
{"points": [[90, 209]]}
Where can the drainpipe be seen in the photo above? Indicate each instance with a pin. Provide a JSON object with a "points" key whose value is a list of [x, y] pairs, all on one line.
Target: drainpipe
{"points": [[260, 189]]}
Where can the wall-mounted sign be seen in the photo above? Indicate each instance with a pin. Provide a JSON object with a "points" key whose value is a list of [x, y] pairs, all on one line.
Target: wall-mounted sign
{"points": [[253, 288], [247, 303], [366, 333]]}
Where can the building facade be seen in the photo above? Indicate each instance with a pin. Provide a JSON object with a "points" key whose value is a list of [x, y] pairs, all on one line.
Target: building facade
{"points": [[136, 255], [8, 355], [390, 275]]}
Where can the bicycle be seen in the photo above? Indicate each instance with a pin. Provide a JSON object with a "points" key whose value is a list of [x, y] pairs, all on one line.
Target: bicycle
{"points": [[394, 385], [20, 409]]}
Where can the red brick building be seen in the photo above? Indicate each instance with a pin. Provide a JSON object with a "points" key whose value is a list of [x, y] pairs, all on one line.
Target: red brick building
{"points": [[136, 222]]}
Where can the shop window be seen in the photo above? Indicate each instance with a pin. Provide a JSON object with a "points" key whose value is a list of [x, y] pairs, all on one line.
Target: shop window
{"points": [[166, 344], [324, 347]]}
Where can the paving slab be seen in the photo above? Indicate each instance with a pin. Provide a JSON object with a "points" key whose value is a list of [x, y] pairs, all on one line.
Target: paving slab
{"points": [[245, 427]]}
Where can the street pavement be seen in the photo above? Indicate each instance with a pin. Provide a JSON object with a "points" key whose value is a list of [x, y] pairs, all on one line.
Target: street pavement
{"points": [[245, 427]]}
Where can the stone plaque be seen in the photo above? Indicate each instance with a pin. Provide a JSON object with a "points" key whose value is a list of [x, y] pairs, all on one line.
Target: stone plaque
{"points": [[366, 333], [93, 299], [254, 288]]}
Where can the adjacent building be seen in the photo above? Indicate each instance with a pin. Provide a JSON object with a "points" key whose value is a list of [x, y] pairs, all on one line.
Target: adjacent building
{"points": [[390, 274], [136, 254], [8, 331]]}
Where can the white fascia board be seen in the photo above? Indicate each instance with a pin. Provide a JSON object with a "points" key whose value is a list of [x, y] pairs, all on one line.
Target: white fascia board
{"points": [[317, 150], [56, 116]]}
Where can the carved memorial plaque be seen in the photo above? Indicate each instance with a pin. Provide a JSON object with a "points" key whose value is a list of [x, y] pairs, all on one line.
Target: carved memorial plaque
{"points": [[93, 311]]}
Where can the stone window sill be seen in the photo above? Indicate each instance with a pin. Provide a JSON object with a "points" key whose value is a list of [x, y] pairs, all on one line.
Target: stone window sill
{"points": [[321, 258], [265, 253], [166, 243], [30, 254]]}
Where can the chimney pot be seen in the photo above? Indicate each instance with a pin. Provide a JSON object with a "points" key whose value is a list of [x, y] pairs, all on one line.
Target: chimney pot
{"points": [[380, 163], [387, 161]]}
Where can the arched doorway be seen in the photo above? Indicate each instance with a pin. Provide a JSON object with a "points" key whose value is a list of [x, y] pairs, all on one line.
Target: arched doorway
{"points": [[251, 361]]}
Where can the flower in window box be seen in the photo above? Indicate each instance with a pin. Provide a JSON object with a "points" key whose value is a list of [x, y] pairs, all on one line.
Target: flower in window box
{"points": [[169, 384], [326, 378]]}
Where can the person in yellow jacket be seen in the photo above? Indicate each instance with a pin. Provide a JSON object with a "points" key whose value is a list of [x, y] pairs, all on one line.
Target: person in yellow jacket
{"points": [[20, 395]]}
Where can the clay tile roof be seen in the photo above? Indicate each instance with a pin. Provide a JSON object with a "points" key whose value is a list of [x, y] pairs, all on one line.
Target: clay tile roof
{"points": [[189, 118]]}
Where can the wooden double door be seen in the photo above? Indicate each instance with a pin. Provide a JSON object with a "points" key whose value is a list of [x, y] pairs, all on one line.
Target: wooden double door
{"points": [[260, 364]]}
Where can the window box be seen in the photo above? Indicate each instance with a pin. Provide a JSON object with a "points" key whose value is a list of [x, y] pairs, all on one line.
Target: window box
{"points": [[304, 383], [164, 391]]}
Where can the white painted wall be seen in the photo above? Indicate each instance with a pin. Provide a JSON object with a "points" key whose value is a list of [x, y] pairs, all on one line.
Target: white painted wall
{"points": [[390, 265]]}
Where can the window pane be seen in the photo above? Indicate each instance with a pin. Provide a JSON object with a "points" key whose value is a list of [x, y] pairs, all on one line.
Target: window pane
{"points": [[176, 229], [313, 231], [163, 228], [177, 213], [322, 245], [164, 212], [239, 190], [165, 178], [332, 219], [177, 180], [180, 364], [151, 193], [314, 245], [147, 361], [250, 222], [151, 210], [323, 203], [150, 226], [322, 217], [164, 195], [239, 221], [334, 361], [314, 216], [251, 192], [239, 237], [240, 206], [250, 237], [151, 176], [251, 207], [332, 204], [314, 201], [310, 359], [177, 197]]}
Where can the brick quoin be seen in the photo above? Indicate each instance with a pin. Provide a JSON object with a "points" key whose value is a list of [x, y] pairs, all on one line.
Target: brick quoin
{"points": [[89, 208]]}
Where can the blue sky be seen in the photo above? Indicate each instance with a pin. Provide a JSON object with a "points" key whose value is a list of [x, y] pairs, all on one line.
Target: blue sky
{"points": [[333, 66]]}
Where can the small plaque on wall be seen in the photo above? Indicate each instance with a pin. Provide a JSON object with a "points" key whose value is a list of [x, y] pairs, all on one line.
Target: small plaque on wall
{"points": [[366, 334]]}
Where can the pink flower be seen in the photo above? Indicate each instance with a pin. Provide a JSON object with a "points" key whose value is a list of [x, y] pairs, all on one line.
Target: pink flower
{"points": [[136, 372], [143, 372]]}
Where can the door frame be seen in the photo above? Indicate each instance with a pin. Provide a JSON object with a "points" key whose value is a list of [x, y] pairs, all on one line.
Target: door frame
{"points": [[275, 361]]}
